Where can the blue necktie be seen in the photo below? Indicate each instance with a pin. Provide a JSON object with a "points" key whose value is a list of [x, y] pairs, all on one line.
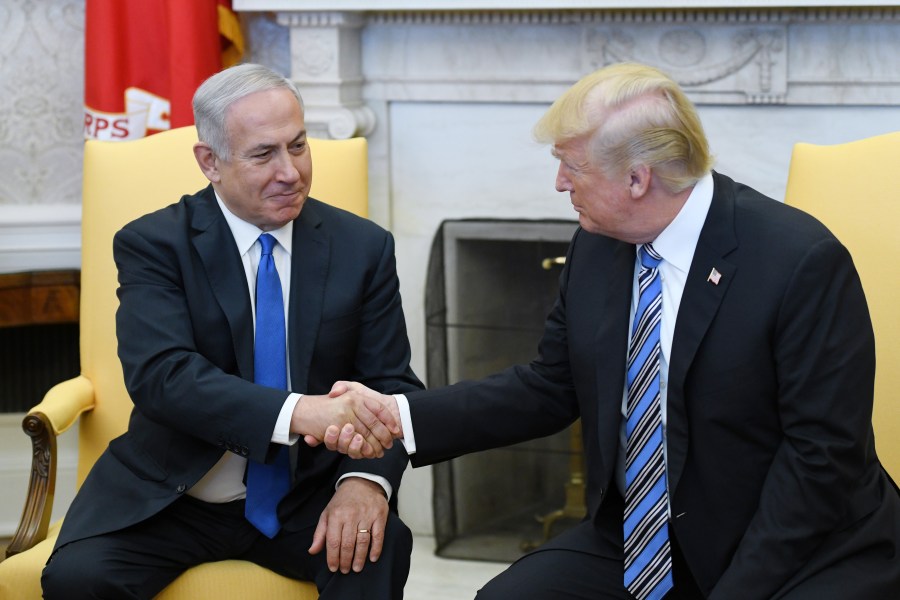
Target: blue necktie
{"points": [[267, 484], [648, 559]]}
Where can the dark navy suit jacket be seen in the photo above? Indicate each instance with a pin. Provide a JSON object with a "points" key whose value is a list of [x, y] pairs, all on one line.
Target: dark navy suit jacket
{"points": [[185, 333]]}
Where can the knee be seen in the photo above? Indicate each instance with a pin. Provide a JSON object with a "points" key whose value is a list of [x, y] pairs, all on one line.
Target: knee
{"points": [[397, 535], [522, 582], [396, 548], [497, 588], [384, 578], [57, 576], [68, 576]]}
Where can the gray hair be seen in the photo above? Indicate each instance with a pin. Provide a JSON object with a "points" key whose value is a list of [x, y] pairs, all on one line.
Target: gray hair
{"points": [[216, 94]]}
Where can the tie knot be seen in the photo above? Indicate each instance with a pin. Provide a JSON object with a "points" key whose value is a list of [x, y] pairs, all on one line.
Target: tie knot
{"points": [[650, 259], [267, 242]]}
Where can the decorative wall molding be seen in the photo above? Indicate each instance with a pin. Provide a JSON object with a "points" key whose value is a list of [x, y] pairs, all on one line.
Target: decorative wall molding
{"points": [[635, 16], [728, 62], [40, 237], [326, 63], [321, 19], [522, 5], [792, 56]]}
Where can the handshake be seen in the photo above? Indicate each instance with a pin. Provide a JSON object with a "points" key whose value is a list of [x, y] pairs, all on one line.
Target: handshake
{"points": [[352, 419]]}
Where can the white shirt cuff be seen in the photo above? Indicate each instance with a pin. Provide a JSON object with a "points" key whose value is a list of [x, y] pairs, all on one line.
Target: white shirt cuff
{"points": [[384, 483], [409, 438], [282, 433]]}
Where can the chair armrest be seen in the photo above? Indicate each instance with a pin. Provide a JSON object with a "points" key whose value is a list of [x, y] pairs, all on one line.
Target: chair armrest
{"points": [[57, 412], [63, 404]]}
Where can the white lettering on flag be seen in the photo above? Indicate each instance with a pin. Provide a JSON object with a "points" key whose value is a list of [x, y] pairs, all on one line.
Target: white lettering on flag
{"points": [[143, 111]]}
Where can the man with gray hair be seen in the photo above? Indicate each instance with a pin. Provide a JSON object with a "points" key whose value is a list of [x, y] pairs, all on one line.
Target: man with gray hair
{"points": [[716, 345], [240, 305]]}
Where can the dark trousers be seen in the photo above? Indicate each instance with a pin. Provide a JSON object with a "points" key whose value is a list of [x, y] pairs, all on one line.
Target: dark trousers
{"points": [[138, 562]]}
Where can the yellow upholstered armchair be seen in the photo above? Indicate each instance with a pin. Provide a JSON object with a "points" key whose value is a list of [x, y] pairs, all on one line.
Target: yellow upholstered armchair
{"points": [[854, 189], [122, 181]]}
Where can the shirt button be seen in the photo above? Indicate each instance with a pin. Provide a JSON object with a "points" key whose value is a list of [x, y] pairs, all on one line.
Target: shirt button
{"points": [[180, 489]]}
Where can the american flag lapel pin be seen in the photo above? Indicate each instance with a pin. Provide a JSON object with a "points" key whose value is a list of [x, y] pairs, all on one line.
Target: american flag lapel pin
{"points": [[714, 277]]}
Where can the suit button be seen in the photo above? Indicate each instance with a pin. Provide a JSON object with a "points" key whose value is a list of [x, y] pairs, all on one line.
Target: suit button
{"points": [[180, 489], [245, 451]]}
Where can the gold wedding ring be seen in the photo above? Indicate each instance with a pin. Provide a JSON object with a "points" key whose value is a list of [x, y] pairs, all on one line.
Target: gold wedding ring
{"points": [[362, 531]]}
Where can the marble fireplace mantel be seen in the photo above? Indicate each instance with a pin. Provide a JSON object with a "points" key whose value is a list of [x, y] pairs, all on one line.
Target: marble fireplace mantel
{"points": [[353, 59], [518, 5], [758, 52]]}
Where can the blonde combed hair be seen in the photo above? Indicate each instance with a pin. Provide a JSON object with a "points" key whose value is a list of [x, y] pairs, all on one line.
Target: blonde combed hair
{"points": [[634, 114]]}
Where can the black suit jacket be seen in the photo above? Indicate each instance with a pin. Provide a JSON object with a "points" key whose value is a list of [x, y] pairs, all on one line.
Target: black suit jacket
{"points": [[771, 461], [185, 332]]}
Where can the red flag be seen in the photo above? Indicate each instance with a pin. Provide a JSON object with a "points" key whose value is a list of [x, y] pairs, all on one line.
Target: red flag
{"points": [[145, 58]]}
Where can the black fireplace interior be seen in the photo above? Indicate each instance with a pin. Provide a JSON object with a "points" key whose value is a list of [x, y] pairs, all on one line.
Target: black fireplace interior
{"points": [[490, 286]]}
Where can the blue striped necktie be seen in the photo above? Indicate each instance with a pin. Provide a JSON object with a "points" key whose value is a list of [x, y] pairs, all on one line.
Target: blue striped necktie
{"points": [[648, 560], [268, 483]]}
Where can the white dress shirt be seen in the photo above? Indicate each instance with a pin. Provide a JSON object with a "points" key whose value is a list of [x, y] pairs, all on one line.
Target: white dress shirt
{"points": [[676, 244]]}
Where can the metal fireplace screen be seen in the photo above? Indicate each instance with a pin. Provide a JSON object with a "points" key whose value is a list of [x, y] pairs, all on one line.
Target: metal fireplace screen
{"points": [[490, 285]]}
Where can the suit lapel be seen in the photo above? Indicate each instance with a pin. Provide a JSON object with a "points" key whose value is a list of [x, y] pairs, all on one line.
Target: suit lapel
{"points": [[703, 294], [215, 246], [309, 271]]}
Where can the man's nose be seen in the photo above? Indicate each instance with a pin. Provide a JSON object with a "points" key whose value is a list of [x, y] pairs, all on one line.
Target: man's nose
{"points": [[562, 180], [286, 169]]}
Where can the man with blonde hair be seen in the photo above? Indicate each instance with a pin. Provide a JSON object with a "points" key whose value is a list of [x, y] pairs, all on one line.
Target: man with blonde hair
{"points": [[716, 345]]}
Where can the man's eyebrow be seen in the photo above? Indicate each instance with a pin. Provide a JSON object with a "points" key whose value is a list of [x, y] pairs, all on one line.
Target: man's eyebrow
{"points": [[263, 147]]}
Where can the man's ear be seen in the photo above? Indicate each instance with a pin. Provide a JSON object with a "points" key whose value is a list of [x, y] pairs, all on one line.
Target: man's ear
{"points": [[206, 159], [639, 180]]}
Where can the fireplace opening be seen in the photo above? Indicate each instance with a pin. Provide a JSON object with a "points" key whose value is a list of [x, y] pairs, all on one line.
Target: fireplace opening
{"points": [[490, 286], [38, 335]]}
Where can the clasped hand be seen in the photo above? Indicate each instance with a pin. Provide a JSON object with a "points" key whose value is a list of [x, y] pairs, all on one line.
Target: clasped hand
{"points": [[351, 419]]}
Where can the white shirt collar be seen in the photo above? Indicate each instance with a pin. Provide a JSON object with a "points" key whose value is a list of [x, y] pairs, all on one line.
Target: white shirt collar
{"points": [[677, 242], [245, 234]]}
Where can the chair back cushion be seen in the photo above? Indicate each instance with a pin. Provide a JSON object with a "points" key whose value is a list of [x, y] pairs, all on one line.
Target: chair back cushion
{"points": [[854, 189]]}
